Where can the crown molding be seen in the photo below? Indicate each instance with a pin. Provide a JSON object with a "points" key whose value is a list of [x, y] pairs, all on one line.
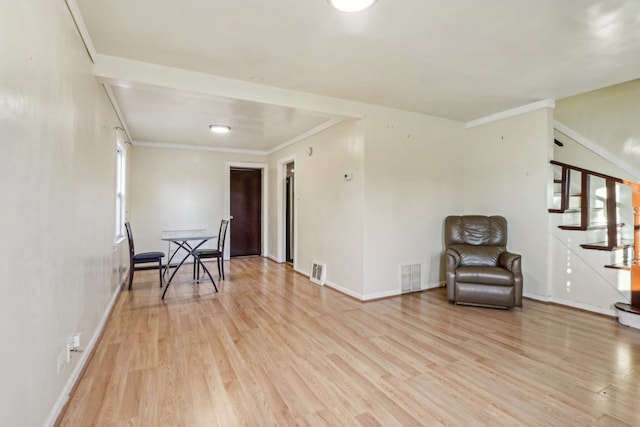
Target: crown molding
{"points": [[176, 146], [82, 29], [304, 135], [546, 103]]}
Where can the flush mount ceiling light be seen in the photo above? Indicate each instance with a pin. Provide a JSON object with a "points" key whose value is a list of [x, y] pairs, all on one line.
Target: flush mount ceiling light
{"points": [[351, 5], [219, 129]]}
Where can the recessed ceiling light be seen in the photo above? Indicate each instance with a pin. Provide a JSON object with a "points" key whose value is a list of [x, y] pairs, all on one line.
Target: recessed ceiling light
{"points": [[219, 129], [351, 5]]}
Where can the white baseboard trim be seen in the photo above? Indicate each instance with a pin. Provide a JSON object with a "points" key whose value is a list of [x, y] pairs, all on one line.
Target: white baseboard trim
{"points": [[433, 286], [585, 307], [379, 295], [368, 297], [77, 370], [394, 293], [628, 319], [573, 304], [332, 285], [344, 290], [301, 271], [543, 298], [274, 259]]}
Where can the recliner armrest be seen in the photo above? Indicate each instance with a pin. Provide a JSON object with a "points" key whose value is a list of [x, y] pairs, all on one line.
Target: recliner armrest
{"points": [[454, 256], [513, 263], [451, 263], [510, 261]]}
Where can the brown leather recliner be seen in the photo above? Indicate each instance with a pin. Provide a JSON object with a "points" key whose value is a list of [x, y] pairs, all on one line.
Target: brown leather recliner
{"points": [[479, 269]]}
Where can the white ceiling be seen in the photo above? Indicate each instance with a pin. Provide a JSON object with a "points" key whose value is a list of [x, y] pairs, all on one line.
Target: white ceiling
{"points": [[459, 59], [165, 116]]}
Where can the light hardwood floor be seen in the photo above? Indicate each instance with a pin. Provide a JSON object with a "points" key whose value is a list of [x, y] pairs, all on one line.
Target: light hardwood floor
{"points": [[271, 348]]}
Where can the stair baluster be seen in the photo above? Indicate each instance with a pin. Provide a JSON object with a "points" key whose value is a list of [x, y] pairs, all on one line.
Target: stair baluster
{"points": [[613, 242]]}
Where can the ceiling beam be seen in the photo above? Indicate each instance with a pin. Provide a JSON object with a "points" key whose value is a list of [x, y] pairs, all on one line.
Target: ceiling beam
{"points": [[128, 73]]}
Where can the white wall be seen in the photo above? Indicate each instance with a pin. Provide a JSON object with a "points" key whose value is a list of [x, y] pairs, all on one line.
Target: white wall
{"points": [[413, 180], [608, 118], [578, 277], [329, 209], [576, 154], [172, 189], [406, 178], [507, 173], [60, 270]]}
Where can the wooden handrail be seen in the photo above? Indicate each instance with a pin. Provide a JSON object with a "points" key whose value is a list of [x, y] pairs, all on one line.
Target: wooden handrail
{"points": [[590, 172]]}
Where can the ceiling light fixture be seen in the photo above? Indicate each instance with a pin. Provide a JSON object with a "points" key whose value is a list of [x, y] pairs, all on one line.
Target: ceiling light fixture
{"points": [[219, 129], [351, 5]]}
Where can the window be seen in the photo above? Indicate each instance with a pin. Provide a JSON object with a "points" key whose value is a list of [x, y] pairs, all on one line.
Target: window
{"points": [[120, 189]]}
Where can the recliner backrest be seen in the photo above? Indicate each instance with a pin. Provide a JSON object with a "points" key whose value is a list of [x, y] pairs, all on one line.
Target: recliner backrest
{"points": [[476, 230]]}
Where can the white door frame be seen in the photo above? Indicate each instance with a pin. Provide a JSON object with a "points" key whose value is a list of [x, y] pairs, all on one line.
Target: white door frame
{"points": [[282, 211]]}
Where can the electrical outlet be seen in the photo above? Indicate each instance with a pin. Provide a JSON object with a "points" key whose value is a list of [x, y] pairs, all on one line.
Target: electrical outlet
{"points": [[76, 342]]}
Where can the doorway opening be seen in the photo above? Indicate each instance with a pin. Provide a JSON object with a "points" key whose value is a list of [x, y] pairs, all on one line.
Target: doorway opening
{"points": [[245, 211], [289, 211]]}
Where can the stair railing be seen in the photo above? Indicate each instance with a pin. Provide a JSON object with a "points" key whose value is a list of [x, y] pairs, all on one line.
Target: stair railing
{"points": [[612, 225]]}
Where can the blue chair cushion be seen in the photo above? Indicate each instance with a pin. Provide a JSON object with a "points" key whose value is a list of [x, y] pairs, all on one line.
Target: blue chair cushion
{"points": [[148, 256]]}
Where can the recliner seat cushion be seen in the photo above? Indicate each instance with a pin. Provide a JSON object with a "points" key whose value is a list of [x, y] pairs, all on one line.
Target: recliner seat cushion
{"points": [[484, 275]]}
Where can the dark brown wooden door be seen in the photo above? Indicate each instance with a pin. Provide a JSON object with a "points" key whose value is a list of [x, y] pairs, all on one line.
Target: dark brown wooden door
{"points": [[246, 212]]}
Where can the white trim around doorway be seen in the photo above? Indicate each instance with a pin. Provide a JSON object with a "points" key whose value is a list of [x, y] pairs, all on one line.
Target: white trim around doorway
{"points": [[281, 212]]}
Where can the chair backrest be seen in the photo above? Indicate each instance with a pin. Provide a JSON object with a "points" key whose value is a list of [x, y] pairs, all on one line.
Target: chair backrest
{"points": [[222, 234], [476, 230], [127, 226]]}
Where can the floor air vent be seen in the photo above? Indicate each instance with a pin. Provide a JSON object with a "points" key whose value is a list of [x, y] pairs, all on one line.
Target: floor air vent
{"points": [[318, 273], [411, 277]]}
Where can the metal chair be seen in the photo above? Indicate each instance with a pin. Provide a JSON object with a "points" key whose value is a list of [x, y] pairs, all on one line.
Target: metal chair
{"points": [[217, 253], [141, 258]]}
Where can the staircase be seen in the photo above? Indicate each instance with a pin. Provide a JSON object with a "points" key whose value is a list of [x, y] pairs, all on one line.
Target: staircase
{"points": [[607, 209]]}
